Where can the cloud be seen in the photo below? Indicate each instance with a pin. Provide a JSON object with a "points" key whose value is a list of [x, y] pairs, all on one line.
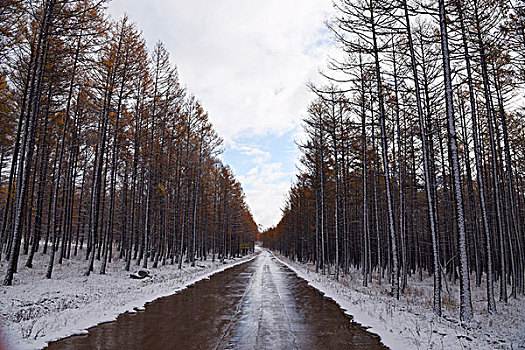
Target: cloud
{"points": [[248, 62], [268, 184], [265, 167], [258, 155], [235, 55]]}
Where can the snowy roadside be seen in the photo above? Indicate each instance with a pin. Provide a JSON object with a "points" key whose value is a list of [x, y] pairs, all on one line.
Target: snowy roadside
{"points": [[35, 311], [409, 323]]}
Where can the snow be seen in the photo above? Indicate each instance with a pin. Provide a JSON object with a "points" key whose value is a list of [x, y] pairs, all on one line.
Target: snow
{"points": [[409, 323], [35, 311]]}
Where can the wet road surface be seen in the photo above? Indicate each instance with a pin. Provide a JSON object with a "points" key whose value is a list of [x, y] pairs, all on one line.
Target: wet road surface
{"points": [[257, 305]]}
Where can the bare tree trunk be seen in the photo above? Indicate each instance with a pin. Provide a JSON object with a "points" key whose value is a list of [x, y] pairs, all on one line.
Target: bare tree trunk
{"points": [[29, 136], [28, 88], [465, 299], [428, 183], [510, 193], [486, 90], [366, 232], [58, 169], [386, 167], [376, 209], [400, 161]]}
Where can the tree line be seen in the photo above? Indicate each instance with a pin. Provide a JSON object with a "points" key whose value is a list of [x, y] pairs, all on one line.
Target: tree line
{"points": [[413, 156], [102, 150]]}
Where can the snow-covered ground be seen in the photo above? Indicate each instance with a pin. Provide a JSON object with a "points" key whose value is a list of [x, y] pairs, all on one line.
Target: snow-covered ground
{"points": [[409, 323], [35, 311]]}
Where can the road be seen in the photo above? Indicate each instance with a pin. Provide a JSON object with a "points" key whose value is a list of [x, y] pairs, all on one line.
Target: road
{"points": [[257, 305]]}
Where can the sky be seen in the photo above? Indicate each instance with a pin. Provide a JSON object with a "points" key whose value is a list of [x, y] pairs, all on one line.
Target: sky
{"points": [[248, 62]]}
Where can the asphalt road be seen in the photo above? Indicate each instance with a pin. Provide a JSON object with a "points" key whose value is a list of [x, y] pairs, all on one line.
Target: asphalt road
{"points": [[257, 305]]}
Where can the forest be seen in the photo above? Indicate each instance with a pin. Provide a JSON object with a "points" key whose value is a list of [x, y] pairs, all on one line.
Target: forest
{"points": [[103, 152], [404, 224], [412, 163]]}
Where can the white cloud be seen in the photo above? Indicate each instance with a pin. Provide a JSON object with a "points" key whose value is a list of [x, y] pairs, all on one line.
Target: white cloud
{"points": [[259, 155], [248, 61], [268, 184]]}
